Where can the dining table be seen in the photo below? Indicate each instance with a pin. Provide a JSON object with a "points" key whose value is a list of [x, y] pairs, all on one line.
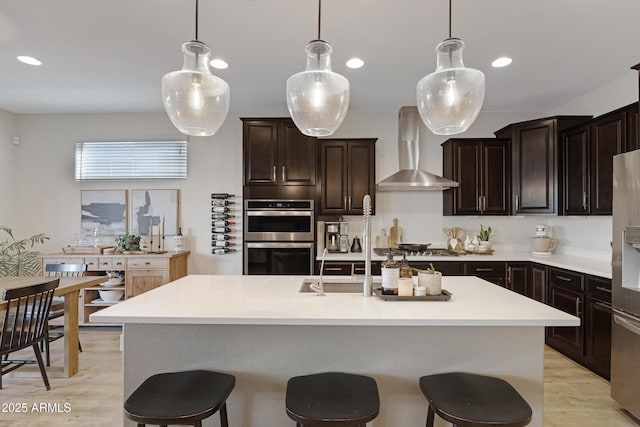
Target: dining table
{"points": [[69, 288]]}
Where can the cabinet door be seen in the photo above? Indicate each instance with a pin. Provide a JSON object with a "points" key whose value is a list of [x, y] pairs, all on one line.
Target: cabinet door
{"points": [[493, 272], [533, 166], [538, 288], [518, 277], [496, 178], [333, 175], [607, 138], [575, 167], [567, 339], [260, 146], [633, 142], [467, 172], [361, 174], [296, 156], [140, 281], [598, 335]]}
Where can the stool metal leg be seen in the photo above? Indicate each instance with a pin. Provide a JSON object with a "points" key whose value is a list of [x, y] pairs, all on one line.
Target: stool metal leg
{"points": [[430, 416], [224, 422]]}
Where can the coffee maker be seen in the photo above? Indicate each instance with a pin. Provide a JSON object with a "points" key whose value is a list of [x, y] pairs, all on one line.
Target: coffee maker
{"points": [[336, 236]]}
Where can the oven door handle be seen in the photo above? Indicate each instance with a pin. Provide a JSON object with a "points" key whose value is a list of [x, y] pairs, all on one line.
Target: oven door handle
{"points": [[279, 213], [281, 245]]}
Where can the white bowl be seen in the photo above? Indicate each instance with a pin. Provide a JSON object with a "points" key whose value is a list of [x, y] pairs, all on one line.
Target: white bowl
{"points": [[111, 296]]}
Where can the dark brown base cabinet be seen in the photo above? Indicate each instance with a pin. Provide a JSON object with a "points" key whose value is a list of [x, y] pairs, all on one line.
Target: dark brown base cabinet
{"points": [[538, 289], [588, 298], [518, 278]]}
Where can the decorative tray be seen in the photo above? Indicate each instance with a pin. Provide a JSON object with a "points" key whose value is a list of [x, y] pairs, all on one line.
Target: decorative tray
{"points": [[444, 296], [489, 252]]}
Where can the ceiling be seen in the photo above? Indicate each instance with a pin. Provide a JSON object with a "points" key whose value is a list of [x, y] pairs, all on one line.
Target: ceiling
{"points": [[109, 56]]}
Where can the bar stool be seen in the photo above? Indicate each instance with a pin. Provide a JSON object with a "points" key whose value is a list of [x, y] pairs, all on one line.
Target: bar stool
{"points": [[469, 400], [332, 399], [181, 398]]}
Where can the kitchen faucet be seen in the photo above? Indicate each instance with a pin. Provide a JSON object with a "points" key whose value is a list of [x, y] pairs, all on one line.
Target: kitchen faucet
{"points": [[367, 287], [319, 290]]}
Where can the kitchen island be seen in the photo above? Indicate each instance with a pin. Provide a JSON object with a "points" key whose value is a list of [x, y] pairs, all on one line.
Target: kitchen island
{"points": [[264, 331]]}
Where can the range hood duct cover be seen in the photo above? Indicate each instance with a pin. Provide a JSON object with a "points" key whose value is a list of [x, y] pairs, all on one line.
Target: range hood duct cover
{"points": [[410, 177]]}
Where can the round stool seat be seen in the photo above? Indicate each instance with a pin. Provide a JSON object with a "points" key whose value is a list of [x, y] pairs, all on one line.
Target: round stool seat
{"points": [[180, 398], [469, 400], [332, 399]]}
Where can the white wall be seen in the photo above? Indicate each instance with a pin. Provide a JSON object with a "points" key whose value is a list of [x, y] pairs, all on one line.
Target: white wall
{"points": [[7, 179], [36, 177]]}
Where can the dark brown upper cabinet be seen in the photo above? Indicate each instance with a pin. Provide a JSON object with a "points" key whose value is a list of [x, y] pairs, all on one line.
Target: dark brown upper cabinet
{"points": [[347, 172], [534, 146], [587, 161], [482, 168], [278, 156], [633, 142]]}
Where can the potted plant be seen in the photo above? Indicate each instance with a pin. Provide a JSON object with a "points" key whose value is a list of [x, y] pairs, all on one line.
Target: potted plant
{"points": [[16, 256], [127, 244], [431, 280], [483, 236]]}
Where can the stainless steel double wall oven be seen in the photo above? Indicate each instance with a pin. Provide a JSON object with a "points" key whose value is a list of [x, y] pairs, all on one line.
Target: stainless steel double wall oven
{"points": [[279, 236]]}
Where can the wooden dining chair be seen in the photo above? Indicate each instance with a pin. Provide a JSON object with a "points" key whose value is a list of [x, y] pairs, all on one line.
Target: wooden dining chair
{"points": [[24, 324], [54, 332]]}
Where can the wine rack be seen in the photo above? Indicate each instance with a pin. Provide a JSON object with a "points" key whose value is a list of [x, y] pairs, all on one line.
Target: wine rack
{"points": [[223, 221]]}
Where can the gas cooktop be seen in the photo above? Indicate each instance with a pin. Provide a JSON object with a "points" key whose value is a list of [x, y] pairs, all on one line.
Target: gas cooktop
{"points": [[426, 252]]}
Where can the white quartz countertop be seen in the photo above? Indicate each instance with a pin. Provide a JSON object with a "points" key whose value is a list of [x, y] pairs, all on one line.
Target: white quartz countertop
{"points": [[596, 267], [276, 300]]}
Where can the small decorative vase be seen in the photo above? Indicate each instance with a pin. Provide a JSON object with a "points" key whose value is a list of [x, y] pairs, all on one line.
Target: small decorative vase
{"points": [[432, 282]]}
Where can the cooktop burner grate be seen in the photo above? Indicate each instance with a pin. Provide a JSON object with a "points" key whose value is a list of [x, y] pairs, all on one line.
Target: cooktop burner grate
{"points": [[427, 252]]}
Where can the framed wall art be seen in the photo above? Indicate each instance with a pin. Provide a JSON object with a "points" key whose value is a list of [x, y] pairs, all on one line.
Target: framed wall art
{"points": [[154, 208], [105, 210]]}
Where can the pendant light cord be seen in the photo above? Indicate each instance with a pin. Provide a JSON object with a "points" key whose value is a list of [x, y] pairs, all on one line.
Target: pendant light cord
{"points": [[449, 18], [319, 15], [197, 19]]}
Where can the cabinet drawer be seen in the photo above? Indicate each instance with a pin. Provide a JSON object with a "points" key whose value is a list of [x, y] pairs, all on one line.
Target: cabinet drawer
{"points": [[105, 263], [61, 260], [598, 287], [139, 263], [482, 269], [118, 263], [336, 268], [93, 263], [566, 279]]}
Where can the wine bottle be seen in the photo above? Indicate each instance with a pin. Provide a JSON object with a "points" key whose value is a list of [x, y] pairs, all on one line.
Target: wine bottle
{"points": [[222, 202], [220, 209], [222, 195], [222, 223], [222, 237], [222, 230], [220, 251], [222, 243], [217, 216]]}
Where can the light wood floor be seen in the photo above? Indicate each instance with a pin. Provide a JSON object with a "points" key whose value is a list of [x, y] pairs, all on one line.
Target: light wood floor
{"points": [[573, 395]]}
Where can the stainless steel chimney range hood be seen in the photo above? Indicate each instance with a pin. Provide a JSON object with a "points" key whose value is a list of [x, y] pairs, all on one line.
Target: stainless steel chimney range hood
{"points": [[410, 177]]}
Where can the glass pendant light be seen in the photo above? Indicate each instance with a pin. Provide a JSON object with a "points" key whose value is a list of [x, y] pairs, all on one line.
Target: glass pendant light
{"points": [[450, 98], [196, 101], [317, 97]]}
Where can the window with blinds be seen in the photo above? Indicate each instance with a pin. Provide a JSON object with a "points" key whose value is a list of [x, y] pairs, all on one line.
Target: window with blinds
{"points": [[131, 160]]}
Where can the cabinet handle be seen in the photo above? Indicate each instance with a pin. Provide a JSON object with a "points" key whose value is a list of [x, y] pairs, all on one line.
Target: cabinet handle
{"points": [[478, 204], [359, 270], [274, 172], [147, 263], [584, 200], [284, 174], [600, 288], [349, 204], [484, 269], [604, 305], [509, 275], [332, 269], [578, 314], [517, 202], [344, 201], [118, 263], [484, 203], [566, 279]]}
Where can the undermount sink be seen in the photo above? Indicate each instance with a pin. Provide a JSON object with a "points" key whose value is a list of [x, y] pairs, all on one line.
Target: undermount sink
{"points": [[334, 286]]}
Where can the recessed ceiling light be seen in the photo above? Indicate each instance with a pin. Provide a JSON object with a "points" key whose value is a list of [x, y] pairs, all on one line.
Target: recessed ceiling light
{"points": [[220, 64], [355, 63], [29, 60], [501, 62]]}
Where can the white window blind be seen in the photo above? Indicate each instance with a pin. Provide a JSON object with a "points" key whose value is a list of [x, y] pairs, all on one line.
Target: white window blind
{"points": [[131, 160]]}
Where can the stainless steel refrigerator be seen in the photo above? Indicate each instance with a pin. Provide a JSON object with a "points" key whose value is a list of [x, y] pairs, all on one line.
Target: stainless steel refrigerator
{"points": [[625, 345]]}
